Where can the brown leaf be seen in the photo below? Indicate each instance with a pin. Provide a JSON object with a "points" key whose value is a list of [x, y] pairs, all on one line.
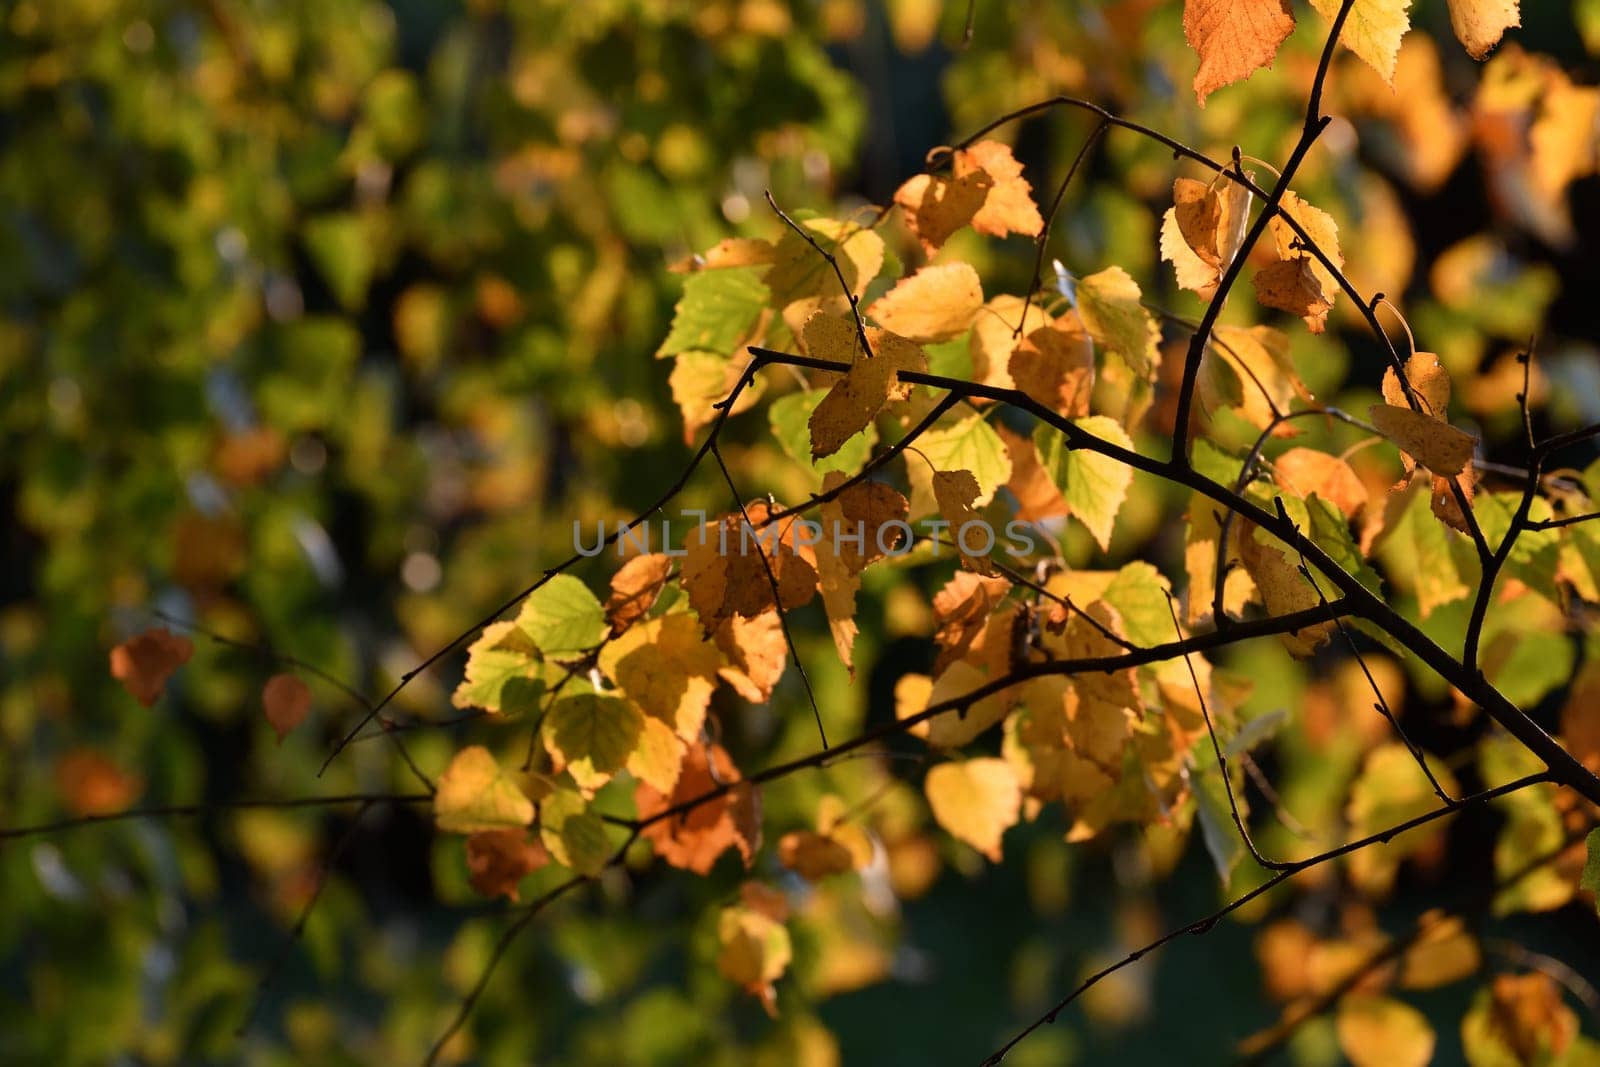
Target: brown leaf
{"points": [[871, 381], [144, 663], [498, 859], [286, 700], [634, 589], [1234, 38], [694, 840]]}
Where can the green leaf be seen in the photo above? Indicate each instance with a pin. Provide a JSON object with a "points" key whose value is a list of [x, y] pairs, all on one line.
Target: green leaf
{"points": [[1537, 553], [716, 311], [503, 672], [790, 417], [592, 735], [1109, 304], [575, 835], [1094, 486], [562, 616], [1139, 593], [969, 445], [342, 249], [1589, 880]]}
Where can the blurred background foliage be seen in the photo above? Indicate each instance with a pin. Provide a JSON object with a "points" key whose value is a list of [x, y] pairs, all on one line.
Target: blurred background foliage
{"points": [[321, 321]]}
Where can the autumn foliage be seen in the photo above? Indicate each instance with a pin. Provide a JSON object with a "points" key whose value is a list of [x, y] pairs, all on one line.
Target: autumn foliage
{"points": [[1298, 627]]}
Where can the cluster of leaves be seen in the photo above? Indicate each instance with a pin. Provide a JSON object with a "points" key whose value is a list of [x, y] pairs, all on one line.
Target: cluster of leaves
{"points": [[1071, 685]]}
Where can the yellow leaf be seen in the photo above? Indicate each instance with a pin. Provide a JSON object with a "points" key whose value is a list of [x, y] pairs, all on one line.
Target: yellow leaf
{"points": [[1382, 1032], [1479, 24], [1093, 485], [1429, 380], [799, 275], [1562, 141], [666, 667], [1191, 271], [1234, 38], [658, 757], [1282, 587], [729, 252], [955, 491], [1444, 951], [976, 800], [994, 337], [1009, 206], [1435, 444], [934, 304], [474, 794], [1109, 303], [754, 951], [591, 736], [1372, 30], [839, 582], [952, 730], [871, 381]]}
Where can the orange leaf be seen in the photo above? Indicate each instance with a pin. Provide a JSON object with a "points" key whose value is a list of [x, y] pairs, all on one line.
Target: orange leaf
{"points": [[498, 859], [1009, 206], [144, 663], [634, 589], [694, 840], [1234, 38], [1305, 471], [286, 700], [1055, 366], [936, 207], [756, 652], [91, 784]]}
